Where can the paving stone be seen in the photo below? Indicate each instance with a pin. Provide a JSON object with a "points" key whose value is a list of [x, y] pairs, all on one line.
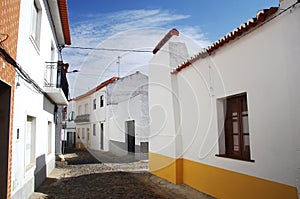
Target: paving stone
{"points": [[108, 180]]}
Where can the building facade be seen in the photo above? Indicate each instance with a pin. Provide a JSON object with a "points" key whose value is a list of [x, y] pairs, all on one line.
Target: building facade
{"points": [[9, 21], [114, 116], [231, 116], [128, 115], [41, 89], [91, 108]]}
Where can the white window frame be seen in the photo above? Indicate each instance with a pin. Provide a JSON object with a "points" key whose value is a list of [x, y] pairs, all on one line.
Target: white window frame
{"points": [[86, 108], [49, 149], [29, 144], [36, 21]]}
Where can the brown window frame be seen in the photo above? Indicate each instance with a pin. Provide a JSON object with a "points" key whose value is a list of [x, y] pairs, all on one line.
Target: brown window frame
{"points": [[236, 107]]}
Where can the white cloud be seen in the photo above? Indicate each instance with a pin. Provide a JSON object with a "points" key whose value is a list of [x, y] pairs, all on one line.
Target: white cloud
{"points": [[130, 29]]}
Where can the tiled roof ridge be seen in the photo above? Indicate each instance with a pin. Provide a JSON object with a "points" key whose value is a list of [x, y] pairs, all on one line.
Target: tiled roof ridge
{"points": [[105, 83], [261, 16]]}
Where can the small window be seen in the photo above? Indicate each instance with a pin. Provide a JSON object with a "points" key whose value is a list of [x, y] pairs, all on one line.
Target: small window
{"points": [[94, 104], [235, 128], [101, 101], [36, 22], [86, 108], [94, 129]]}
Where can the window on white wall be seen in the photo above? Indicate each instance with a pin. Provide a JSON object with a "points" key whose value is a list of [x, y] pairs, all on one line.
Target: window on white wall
{"points": [[30, 142], [36, 18], [234, 126], [86, 108], [94, 129], [101, 100], [94, 104]]}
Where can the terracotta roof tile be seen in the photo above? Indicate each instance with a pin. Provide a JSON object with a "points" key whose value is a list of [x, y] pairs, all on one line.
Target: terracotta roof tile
{"points": [[63, 11], [103, 84], [261, 16]]}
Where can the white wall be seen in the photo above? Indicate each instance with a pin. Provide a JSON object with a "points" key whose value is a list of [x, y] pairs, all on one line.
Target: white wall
{"points": [[125, 99], [98, 116], [131, 109], [165, 134], [265, 64], [28, 102], [128, 100]]}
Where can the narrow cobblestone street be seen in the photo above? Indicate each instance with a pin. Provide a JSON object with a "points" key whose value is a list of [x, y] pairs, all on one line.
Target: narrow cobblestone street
{"points": [[83, 176]]}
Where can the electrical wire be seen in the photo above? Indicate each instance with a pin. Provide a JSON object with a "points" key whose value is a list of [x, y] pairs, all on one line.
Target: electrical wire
{"points": [[21, 72], [110, 49]]}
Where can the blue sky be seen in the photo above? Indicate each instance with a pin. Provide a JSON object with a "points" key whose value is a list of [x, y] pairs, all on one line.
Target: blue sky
{"points": [[214, 17], [140, 24]]}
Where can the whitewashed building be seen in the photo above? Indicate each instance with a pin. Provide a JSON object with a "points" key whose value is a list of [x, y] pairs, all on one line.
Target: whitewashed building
{"points": [[41, 91], [226, 121], [114, 116], [69, 128]]}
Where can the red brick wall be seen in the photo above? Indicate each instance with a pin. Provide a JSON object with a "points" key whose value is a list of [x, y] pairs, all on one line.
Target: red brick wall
{"points": [[9, 24]]}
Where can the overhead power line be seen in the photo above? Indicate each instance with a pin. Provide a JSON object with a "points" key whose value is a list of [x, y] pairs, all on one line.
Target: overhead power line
{"points": [[110, 49]]}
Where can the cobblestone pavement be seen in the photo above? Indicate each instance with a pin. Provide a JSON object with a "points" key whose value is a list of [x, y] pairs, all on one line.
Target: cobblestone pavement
{"points": [[82, 176]]}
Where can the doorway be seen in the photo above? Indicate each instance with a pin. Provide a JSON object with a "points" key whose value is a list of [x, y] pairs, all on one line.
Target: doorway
{"points": [[71, 139], [101, 135], [5, 96], [130, 136]]}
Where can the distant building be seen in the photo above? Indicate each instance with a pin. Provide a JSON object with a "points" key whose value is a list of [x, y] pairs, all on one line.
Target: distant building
{"points": [[69, 128], [34, 90], [114, 116], [229, 122]]}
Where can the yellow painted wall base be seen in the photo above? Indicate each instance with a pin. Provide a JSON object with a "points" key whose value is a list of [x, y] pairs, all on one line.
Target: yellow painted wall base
{"points": [[217, 182], [166, 167]]}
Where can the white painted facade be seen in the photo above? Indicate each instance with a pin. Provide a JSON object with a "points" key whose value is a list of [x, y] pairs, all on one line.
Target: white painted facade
{"points": [[125, 99], [128, 103], [33, 153], [69, 132], [186, 107]]}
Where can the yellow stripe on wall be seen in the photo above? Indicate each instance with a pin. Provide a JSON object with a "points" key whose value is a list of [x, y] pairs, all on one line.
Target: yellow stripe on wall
{"points": [[218, 182], [166, 167]]}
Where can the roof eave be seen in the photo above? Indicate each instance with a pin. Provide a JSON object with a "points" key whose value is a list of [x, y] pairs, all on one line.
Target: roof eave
{"points": [[90, 92], [59, 13]]}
